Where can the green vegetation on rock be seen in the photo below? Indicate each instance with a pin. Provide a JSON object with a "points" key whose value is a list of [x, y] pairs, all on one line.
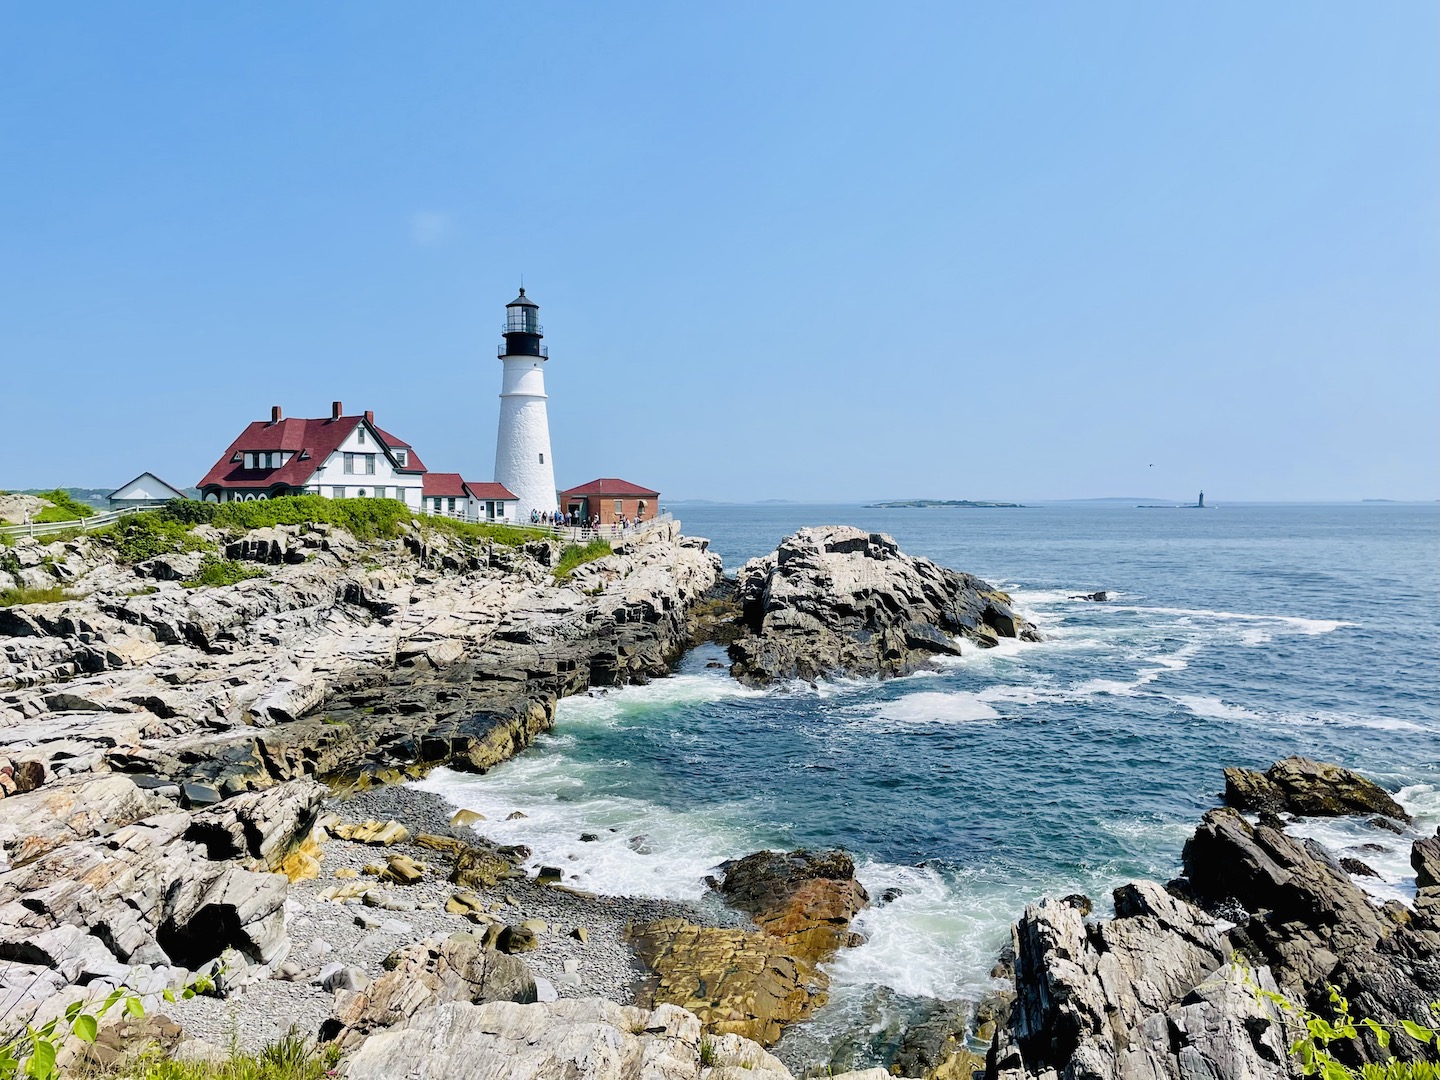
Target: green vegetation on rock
{"points": [[52, 595], [289, 1058], [216, 571], [65, 507], [365, 519], [574, 555], [509, 535], [140, 536]]}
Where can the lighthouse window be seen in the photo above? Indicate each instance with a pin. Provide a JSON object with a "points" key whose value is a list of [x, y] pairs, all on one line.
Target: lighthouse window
{"points": [[542, 459]]}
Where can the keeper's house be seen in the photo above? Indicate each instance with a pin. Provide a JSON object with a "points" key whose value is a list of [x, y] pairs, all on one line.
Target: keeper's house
{"points": [[339, 457], [611, 499], [344, 457]]}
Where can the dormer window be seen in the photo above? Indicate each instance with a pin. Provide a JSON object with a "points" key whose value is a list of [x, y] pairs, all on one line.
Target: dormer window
{"points": [[401, 457]]}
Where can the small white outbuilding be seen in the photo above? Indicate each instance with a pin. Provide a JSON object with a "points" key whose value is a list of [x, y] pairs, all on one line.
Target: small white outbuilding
{"points": [[147, 489]]}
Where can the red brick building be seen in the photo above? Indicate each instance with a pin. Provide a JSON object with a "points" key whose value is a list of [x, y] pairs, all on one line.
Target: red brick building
{"points": [[611, 499]]}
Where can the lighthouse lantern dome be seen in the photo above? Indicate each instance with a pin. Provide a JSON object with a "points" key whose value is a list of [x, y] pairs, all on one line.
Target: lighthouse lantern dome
{"points": [[522, 315]]}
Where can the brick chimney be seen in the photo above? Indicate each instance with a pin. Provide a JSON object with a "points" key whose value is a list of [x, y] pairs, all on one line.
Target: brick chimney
{"points": [[336, 408], [274, 414], [370, 417]]}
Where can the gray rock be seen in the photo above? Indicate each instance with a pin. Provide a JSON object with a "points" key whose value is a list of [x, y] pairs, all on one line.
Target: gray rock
{"points": [[590, 1039], [838, 600], [425, 974], [1299, 785]]}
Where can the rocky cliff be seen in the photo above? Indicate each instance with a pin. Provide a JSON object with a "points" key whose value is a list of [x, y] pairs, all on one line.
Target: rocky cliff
{"points": [[1169, 988], [841, 601], [362, 661]]}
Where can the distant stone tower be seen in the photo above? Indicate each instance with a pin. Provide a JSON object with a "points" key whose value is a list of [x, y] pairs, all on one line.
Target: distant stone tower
{"points": [[522, 445]]}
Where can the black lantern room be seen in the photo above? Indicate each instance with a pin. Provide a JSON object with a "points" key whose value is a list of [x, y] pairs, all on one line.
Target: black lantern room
{"points": [[522, 327]]}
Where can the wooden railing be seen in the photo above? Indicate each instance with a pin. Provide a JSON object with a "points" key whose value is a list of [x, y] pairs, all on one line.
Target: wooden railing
{"points": [[84, 525]]}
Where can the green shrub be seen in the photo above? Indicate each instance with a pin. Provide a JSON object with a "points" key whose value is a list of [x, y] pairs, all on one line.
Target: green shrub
{"points": [[65, 508], [216, 571], [189, 511], [140, 536], [574, 555], [50, 595], [365, 519]]}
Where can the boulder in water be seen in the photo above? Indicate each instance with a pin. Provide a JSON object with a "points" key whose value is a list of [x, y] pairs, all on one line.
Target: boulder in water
{"points": [[838, 600], [1299, 785]]}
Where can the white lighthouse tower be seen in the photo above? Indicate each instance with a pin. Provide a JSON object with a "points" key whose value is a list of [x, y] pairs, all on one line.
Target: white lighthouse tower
{"points": [[522, 445]]}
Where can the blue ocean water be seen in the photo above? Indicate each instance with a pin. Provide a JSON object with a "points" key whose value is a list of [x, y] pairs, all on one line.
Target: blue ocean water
{"points": [[1234, 636]]}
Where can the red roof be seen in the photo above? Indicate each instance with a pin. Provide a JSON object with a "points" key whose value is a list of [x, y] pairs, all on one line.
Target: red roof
{"points": [[491, 491], [611, 487], [444, 483], [412, 459], [311, 441]]}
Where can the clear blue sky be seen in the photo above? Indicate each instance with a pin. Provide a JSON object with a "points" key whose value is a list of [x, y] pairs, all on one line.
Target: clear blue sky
{"points": [[810, 251]]}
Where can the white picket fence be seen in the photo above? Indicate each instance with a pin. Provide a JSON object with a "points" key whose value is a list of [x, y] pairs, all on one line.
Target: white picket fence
{"points": [[86, 524]]}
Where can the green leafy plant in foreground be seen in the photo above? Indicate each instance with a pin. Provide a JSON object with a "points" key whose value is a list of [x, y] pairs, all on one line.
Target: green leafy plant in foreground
{"points": [[32, 1052], [1312, 1049]]}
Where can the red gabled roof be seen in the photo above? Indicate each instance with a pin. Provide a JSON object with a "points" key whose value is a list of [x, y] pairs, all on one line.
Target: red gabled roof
{"points": [[611, 487], [491, 491], [317, 438], [443, 484], [413, 462]]}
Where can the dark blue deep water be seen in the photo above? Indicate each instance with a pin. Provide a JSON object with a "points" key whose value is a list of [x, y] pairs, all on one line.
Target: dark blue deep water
{"points": [[1234, 636]]}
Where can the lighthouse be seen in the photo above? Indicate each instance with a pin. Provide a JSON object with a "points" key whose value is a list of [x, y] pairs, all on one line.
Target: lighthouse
{"points": [[522, 445]]}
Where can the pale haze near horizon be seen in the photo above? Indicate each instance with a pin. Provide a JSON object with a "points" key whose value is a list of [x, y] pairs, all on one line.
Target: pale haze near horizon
{"points": [[812, 252]]}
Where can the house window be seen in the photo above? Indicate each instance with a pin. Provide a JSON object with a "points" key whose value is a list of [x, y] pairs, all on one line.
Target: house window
{"points": [[362, 493], [619, 508], [339, 491], [360, 434], [349, 464], [401, 457], [249, 461], [370, 464], [451, 507]]}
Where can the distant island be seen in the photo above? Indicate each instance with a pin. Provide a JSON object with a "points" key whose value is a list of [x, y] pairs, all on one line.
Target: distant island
{"points": [[905, 504]]}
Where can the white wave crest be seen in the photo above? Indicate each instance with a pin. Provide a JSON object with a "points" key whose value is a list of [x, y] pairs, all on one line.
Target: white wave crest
{"points": [[1304, 626], [935, 708]]}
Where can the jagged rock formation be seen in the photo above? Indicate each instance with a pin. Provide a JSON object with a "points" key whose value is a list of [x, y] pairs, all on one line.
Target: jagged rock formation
{"points": [[349, 663], [838, 600], [1314, 928], [1165, 990], [1298, 785], [425, 974], [754, 982], [1143, 995], [173, 889]]}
